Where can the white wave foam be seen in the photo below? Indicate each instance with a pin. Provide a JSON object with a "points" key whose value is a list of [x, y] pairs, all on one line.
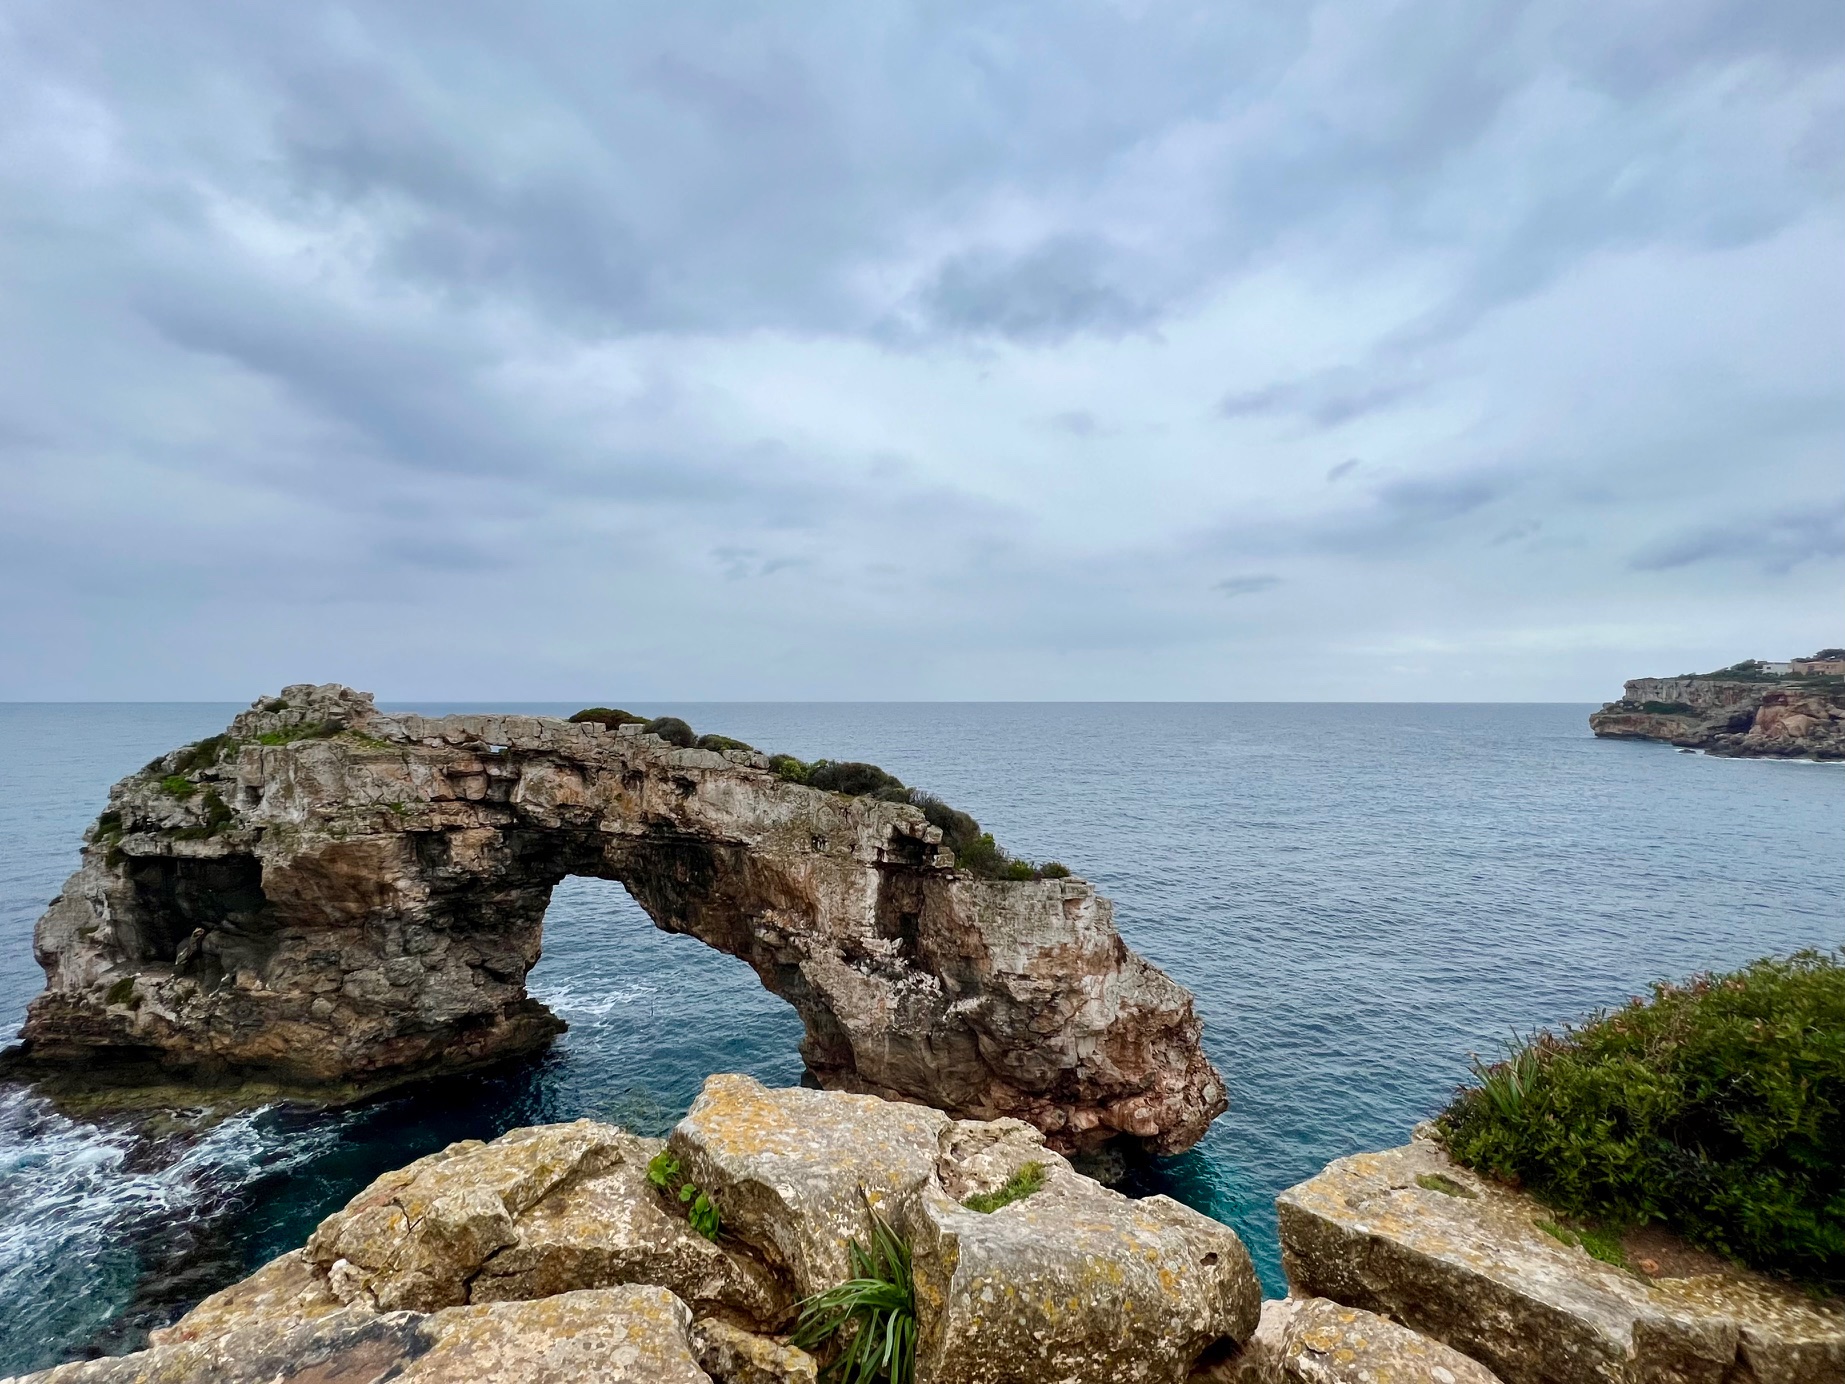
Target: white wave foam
{"points": [[598, 1003], [77, 1198]]}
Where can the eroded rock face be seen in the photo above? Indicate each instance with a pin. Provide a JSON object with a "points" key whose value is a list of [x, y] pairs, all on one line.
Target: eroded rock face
{"points": [[617, 1335], [1314, 1341], [333, 896], [1768, 719], [535, 1213], [1408, 1234]]}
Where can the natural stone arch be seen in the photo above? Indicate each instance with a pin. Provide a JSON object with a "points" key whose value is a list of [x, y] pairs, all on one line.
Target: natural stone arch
{"points": [[334, 896]]}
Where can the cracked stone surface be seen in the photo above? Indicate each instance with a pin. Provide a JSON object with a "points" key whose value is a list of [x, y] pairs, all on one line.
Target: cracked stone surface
{"points": [[1471, 1267], [333, 897]]}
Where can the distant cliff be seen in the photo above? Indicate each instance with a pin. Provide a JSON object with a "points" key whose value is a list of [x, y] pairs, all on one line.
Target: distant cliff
{"points": [[1725, 713]]}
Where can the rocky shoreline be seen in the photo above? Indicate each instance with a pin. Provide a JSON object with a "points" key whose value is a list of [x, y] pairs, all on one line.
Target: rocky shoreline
{"points": [[1757, 717], [553, 1254]]}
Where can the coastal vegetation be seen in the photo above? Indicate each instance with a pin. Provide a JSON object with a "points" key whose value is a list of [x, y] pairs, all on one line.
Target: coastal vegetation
{"points": [[975, 850], [874, 1311], [701, 1211], [1028, 1179], [1716, 1108]]}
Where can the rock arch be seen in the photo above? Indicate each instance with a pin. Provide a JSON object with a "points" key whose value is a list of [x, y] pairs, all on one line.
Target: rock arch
{"points": [[329, 895]]}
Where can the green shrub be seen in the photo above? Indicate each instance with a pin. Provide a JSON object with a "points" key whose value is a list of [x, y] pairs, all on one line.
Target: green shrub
{"points": [[217, 817], [204, 754], [875, 1310], [1028, 1179], [720, 743], [851, 777], [121, 992], [319, 730], [1717, 1109], [1053, 869], [788, 768], [701, 1211], [608, 716], [672, 730], [1669, 709], [179, 785]]}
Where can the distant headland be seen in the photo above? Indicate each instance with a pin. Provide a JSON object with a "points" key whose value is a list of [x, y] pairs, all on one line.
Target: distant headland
{"points": [[1791, 710]]}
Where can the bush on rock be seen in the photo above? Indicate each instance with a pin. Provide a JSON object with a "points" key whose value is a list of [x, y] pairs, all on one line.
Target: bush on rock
{"points": [[1717, 1108]]}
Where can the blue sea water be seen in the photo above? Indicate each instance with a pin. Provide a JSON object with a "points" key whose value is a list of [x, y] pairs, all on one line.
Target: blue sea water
{"points": [[1360, 896]]}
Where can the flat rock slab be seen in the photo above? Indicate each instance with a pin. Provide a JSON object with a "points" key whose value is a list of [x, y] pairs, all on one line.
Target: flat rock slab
{"points": [[631, 1335], [1408, 1234], [1316, 1341]]}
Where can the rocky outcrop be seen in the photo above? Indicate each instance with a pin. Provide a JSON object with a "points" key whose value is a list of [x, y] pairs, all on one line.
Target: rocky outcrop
{"points": [[1316, 1341], [1784, 718], [540, 1256], [1074, 1282], [611, 1335], [331, 896], [1409, 1235], [536, 1212]]}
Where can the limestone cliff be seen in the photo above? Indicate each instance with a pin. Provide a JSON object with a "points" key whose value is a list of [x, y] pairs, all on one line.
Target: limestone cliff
{"points": [[331, 896], [1778, 718]]}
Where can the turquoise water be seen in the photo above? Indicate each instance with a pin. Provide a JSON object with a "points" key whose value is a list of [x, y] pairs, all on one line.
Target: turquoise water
{"points": [[1359, 896]]}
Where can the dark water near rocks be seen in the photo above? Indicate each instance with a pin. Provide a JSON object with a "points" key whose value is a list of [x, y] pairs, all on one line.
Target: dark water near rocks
{"points": [[1359, 895]]}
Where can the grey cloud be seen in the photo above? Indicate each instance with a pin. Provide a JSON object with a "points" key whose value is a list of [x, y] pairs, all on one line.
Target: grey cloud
{"points": [[1049, 293], [1247, 586], [1327, 400], [1773, 543], [1343, 469]]}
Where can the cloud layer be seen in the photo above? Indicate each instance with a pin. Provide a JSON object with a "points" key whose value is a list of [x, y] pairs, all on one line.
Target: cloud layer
{"points": [[1426, 350]]}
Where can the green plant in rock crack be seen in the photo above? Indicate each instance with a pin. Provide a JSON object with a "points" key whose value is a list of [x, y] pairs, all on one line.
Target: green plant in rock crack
{"points": [[874, 1310], [701, 1212]]}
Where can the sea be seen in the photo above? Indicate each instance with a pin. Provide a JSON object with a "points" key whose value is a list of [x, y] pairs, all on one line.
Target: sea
{"points": [[1364, 898]]}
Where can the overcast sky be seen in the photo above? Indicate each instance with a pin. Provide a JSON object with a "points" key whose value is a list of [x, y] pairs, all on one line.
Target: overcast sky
{"points": [[1420, 351]]}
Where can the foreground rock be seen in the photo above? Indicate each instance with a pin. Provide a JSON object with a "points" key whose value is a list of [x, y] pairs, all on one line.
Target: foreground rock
{"points": [[536, 1212], [1409, 1235], [1790, 718], [331, 896], [1073, 1283], [1314, 1341], [618, 1335]]}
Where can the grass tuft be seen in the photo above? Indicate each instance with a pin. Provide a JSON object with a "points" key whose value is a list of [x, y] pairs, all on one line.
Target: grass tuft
{"points": [[1447, 1186], [873, 1312], [1028, 1179], [1716, 1108]]}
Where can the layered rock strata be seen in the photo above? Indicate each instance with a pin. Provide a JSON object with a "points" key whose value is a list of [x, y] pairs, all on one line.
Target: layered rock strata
{"points": [[413, 1278], [1410, 1235], [1771, 719], [331, 896]]}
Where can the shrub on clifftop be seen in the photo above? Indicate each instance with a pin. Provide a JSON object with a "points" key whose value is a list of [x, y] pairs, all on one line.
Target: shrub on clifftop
{"points": [[1717, 1108]]}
